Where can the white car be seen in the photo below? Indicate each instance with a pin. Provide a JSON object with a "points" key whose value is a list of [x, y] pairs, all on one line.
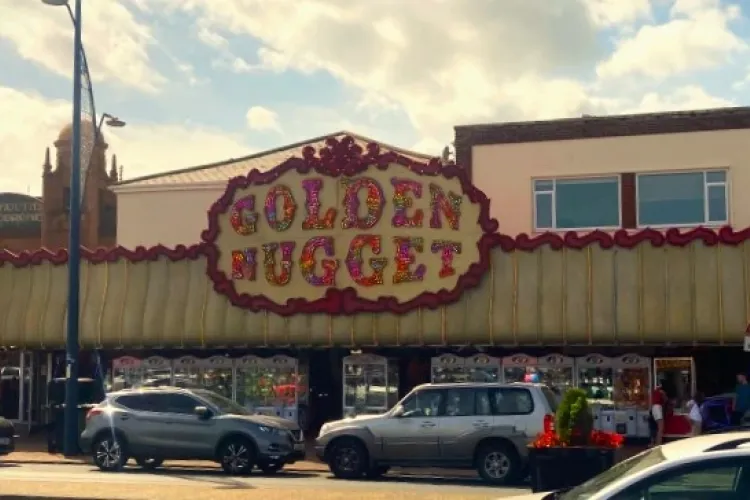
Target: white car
{"points": [[709, 467]]}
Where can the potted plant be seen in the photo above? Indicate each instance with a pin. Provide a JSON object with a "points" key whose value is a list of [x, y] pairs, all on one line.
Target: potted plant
{"points": [[572, 452]]}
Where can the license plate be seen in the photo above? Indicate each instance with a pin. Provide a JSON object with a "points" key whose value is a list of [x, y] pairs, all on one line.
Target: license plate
{"points": [[299, 447], [4, 440]]}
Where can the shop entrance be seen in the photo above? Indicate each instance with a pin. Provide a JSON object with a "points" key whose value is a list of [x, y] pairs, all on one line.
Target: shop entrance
{"points": [[23, 387], [326, 387]]}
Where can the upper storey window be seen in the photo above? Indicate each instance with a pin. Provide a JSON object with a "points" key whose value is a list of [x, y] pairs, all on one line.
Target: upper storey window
{"points": [[682, 199], [577, 203]]}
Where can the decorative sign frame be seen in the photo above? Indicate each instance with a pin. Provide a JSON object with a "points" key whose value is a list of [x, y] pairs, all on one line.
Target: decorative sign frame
{"points": [[346, 164]]}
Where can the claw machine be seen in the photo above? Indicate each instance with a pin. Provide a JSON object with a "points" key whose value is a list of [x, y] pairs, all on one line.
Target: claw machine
{"points": [[557, 372], [520, 368], [483, 368], [370, 384], [448, 369], [217, 374], [268, 386], [677, 377], [632, 392], [126, 373], [157, 371], [595, 375], [187, 371]]}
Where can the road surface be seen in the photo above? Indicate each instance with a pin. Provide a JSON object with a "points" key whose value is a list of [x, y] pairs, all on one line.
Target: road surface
{"points": [[85, 481]]}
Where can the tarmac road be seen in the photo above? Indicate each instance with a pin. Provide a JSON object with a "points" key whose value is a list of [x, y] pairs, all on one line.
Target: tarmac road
{"points": [[393, 486]]}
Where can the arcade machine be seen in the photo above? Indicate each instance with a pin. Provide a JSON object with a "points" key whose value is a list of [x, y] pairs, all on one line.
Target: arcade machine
{"points": [[186, 371], [677, 377], [557, 372], [632, 392], [156, 371], [448, 369], [268, 386], [370, 384], [520, 368], [596, 377], [126, 373], [483, 368], [217, 375]]}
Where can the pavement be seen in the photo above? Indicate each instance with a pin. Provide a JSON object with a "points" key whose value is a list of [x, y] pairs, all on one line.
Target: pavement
{"points": [[33, 450], [35, 481]]}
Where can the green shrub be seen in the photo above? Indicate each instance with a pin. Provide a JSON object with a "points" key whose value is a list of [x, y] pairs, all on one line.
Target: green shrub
{"points": [[574, 422]]}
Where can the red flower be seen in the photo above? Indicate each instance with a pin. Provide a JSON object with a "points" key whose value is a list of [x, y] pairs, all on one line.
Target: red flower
{"points": [[599, 439], [547, 439]]}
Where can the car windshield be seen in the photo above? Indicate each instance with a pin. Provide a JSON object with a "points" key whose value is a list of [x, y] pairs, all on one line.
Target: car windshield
{"points": [[223, 404], [632, 465]]}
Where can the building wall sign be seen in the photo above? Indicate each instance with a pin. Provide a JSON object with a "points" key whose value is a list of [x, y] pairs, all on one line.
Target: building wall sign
{"points": [[347, 232], [20, 214]]}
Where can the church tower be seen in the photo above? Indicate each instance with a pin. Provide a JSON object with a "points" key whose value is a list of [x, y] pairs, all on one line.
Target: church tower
{"points": [[99, 207]]}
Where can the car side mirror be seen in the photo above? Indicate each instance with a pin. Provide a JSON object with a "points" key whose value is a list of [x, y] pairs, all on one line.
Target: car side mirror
{"points": [[398, 412], [202, 412]]}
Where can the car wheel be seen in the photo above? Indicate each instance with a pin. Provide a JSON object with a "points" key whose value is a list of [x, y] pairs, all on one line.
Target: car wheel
{"points": [[377, 472], [237, 456], [109, 453], [498, 463], [348, 459], [270, 468], [149, 463]]}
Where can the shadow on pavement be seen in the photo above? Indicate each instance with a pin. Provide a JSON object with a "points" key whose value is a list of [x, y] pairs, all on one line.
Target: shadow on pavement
{"points": [[432, 480], [214, 476]]}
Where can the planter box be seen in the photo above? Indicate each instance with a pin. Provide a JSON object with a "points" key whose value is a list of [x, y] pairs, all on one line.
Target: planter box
{"points": [[561, 468]]}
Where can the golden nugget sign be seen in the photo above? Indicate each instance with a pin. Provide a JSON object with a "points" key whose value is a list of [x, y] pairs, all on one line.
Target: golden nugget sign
{"points": [[342, 233]]}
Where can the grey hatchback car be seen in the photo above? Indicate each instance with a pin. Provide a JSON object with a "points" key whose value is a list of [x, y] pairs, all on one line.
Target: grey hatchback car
{"points": [[170, 423]]}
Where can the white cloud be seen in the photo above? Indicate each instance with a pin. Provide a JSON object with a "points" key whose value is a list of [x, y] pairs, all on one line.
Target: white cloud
{"points": [[142, 148], [681, 99], [697, 37], [116, 44], [618, 12], [447, 63], [260, 118]]}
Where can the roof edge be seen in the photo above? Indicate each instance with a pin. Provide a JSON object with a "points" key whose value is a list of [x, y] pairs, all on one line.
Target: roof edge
{"points": [[592, 127], [267, 152]]}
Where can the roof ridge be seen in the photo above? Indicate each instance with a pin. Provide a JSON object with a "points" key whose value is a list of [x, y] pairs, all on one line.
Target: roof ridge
{"points": [[268, 152]]}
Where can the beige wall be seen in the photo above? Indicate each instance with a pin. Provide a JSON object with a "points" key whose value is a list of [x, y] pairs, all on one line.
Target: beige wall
{"points": [[505, 171], [168, 217]]}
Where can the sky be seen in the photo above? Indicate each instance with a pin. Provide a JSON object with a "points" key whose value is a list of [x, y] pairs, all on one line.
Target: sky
{"points": [[199, 81]]}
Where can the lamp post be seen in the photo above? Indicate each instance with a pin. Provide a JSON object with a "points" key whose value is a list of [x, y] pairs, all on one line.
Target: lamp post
{"points": [[77, 179]]}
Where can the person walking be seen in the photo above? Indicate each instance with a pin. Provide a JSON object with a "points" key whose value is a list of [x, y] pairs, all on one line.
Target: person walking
{"points": [[656, 415], [741, 403], [696, 415]]}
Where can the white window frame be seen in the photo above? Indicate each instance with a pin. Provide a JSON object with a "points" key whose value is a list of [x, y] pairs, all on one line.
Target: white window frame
{"points": [[706, 184], [553, 192]]}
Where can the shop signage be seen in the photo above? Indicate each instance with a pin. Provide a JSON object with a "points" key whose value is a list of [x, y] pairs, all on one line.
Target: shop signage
{"points": [[19, 212], [382, 236]]}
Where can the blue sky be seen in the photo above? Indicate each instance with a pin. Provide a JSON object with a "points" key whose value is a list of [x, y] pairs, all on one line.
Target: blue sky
{"points": [[204, 80]]}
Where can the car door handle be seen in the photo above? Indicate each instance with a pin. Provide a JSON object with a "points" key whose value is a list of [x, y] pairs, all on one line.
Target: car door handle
{"points": [[124, 417], [428, 424]]}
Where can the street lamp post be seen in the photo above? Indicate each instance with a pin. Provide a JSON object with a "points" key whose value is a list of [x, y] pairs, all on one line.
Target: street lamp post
{"points": [[70, 443]]}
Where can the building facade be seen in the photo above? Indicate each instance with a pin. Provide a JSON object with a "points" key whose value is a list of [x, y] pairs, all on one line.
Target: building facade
{"points": [[334, 282], [181, 197], [661, 170], [28, 223]]}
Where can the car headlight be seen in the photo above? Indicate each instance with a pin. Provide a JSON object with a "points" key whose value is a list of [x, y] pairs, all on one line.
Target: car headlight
{"points": [[269, 430]]}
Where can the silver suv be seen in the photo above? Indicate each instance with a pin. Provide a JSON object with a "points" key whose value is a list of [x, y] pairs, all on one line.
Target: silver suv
{"points": [[486, 426], [169, 423]]}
